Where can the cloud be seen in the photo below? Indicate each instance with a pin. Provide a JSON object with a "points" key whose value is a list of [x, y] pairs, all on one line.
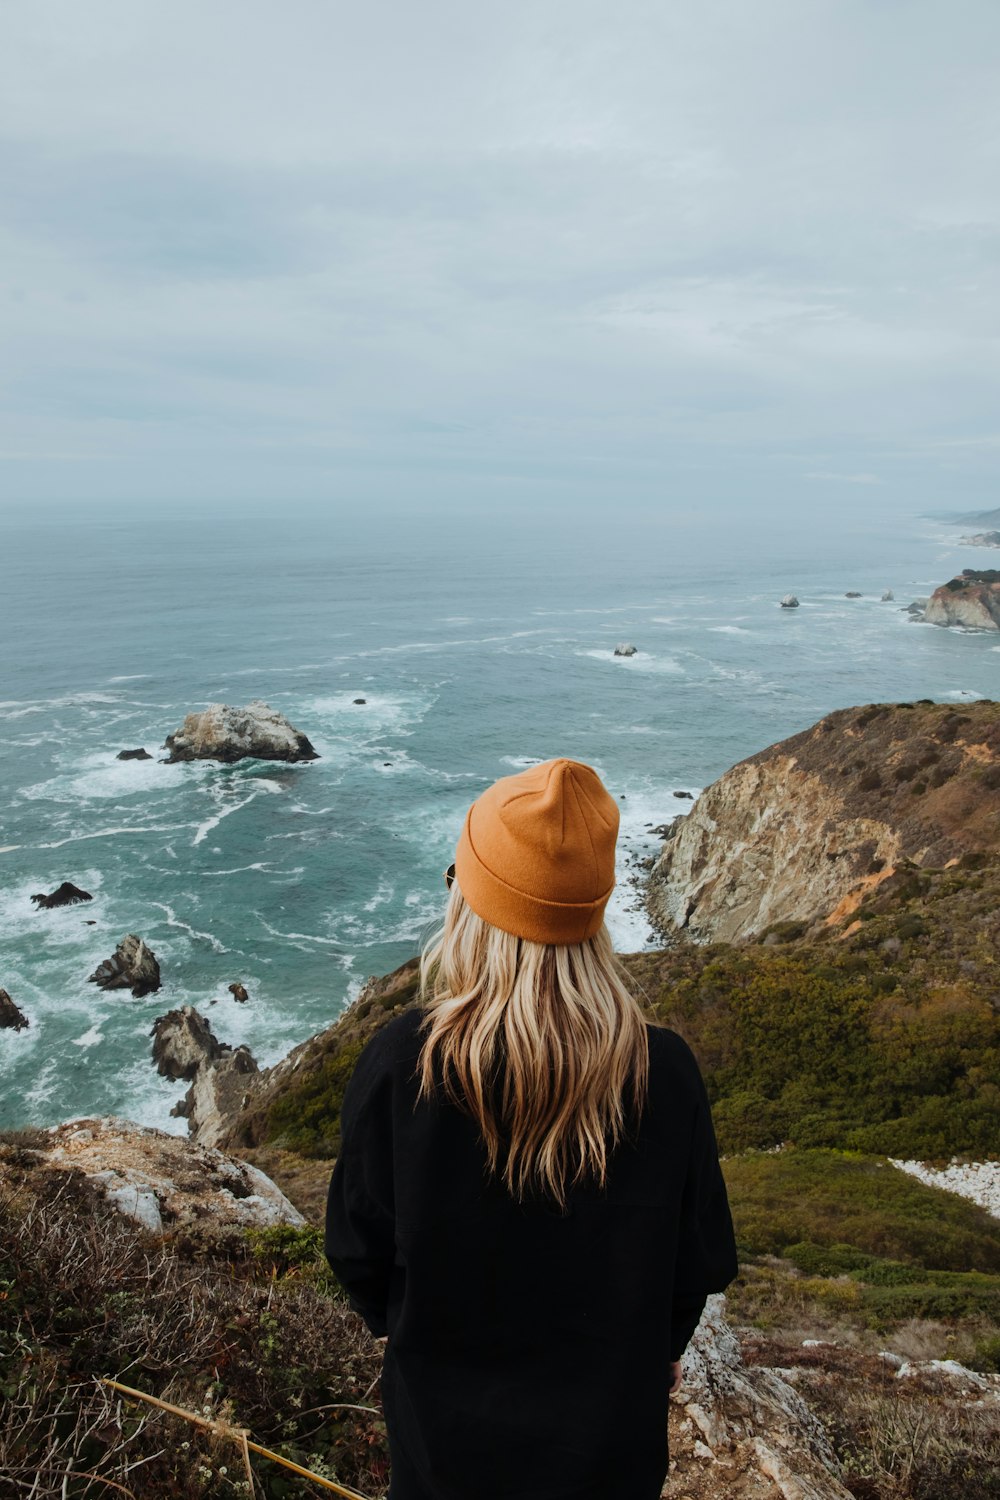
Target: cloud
{"points": [[715, 246]]}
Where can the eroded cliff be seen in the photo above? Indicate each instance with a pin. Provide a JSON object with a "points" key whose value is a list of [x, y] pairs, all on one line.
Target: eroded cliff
{"points": [[801, 830]]}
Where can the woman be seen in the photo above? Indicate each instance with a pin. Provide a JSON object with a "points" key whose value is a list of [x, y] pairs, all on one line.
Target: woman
{"points": [[528, 1200]]}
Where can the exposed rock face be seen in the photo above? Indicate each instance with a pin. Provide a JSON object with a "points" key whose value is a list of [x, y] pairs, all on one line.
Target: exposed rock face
{"points": [[971, 600], [789, 602], [66, 895], [132, 967], [748, 1421], [185, 1047], [625, 648], [10, 1015], [140, 754], [256, 732], [801, 830], [163, 1180]]}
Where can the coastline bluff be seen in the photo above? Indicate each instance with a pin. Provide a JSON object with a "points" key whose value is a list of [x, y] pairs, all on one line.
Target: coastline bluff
{"points": [[970, 600], [802, 830], [220, 732]]}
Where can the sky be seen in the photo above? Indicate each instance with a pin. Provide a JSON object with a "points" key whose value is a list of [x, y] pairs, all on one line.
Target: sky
{"points": [[640, 256]]}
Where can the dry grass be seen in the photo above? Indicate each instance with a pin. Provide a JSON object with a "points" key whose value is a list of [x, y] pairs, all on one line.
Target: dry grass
{"points": [[264, 1345]]}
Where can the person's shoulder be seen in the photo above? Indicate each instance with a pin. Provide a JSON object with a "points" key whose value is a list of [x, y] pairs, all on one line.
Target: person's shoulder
{"points": [[397, 1040], [670, 1054]]}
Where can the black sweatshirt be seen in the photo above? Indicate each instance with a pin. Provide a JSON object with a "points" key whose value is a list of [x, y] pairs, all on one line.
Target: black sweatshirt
{"points": [[529, 1350]]}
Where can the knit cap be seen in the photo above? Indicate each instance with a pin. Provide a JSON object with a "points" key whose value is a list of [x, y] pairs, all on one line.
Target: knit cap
{"points": [[537, 854]]}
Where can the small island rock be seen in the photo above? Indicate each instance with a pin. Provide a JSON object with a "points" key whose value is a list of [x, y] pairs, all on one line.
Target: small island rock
{"points": [[852, 594], [625, 648], [132, 967], [219, 732], [10, 1015], [140, 754], [888, 596], [360, 700], [66, 895], [789, 602], [238, 992]]}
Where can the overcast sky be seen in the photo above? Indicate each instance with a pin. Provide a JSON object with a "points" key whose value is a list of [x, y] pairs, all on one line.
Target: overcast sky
{"points": [[724, 252]]}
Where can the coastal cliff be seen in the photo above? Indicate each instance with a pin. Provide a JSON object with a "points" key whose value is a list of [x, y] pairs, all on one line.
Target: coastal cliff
{"points": [[800, 831], [970, 600]]}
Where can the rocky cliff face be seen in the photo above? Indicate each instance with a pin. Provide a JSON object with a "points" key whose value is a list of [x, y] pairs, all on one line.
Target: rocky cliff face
{"points": [[972, 600], [801, 830]]}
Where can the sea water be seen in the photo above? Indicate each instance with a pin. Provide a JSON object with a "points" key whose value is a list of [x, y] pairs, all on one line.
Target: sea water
{"points": [[478, 646]]}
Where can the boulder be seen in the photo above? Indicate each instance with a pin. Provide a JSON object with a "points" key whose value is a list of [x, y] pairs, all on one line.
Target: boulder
{"points": [[185, 1047], [162, 1180], [140, 754], [133, 967], [219, 732], [888, 596], [66, 895], [238, 992], [625, 648], [360, 700], [10, 1015], [852, 594], [688, 795], [789, 602]]}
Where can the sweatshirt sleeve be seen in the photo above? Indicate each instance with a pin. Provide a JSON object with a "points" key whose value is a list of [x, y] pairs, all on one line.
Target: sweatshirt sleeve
{"points": [[706, 1247], [360, 1242]]}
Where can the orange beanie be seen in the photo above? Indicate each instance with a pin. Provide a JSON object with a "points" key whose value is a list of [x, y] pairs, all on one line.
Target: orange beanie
{"points": [[537, 854]]}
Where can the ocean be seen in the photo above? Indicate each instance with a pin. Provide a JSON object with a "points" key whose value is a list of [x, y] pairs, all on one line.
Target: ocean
{"points": [[478, 646]]}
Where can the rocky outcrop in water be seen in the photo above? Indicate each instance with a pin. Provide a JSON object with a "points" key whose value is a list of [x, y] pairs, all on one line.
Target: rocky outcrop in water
{"points": [[802, 830], [789, 602], [971, 600], [185, 1047], [65, 895], [219, 732], [981, 539], [239, 992], [625, 648], [164, 1180], [140, 754], [11, 1017], [133, 967]]}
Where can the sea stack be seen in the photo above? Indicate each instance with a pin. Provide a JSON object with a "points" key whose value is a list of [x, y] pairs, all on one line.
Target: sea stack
{"points": [[133, 967], [220, 732], [625, 648], [789, 602]]}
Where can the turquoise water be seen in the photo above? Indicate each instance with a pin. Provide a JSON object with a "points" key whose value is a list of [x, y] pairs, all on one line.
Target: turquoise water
{"points": [[476, 646]]}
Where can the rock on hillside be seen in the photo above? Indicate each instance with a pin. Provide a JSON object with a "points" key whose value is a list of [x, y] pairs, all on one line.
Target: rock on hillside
{"points": [[972, 600], [161, 1180], [800, 831], [219, 732], [745, 1421]]}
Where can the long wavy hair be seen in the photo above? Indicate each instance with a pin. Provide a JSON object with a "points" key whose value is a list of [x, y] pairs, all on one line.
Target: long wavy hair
{"points": [[543, 1045]]}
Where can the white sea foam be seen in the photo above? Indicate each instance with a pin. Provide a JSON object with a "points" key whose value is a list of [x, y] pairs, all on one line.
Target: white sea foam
{"points": [[729, 630], [643, 661], [90, 1038], [173, 920], [260, 785], [962, 694]]}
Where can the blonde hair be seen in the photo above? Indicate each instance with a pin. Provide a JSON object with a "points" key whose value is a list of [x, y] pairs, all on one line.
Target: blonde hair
{"points": [[555, 1028]]}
